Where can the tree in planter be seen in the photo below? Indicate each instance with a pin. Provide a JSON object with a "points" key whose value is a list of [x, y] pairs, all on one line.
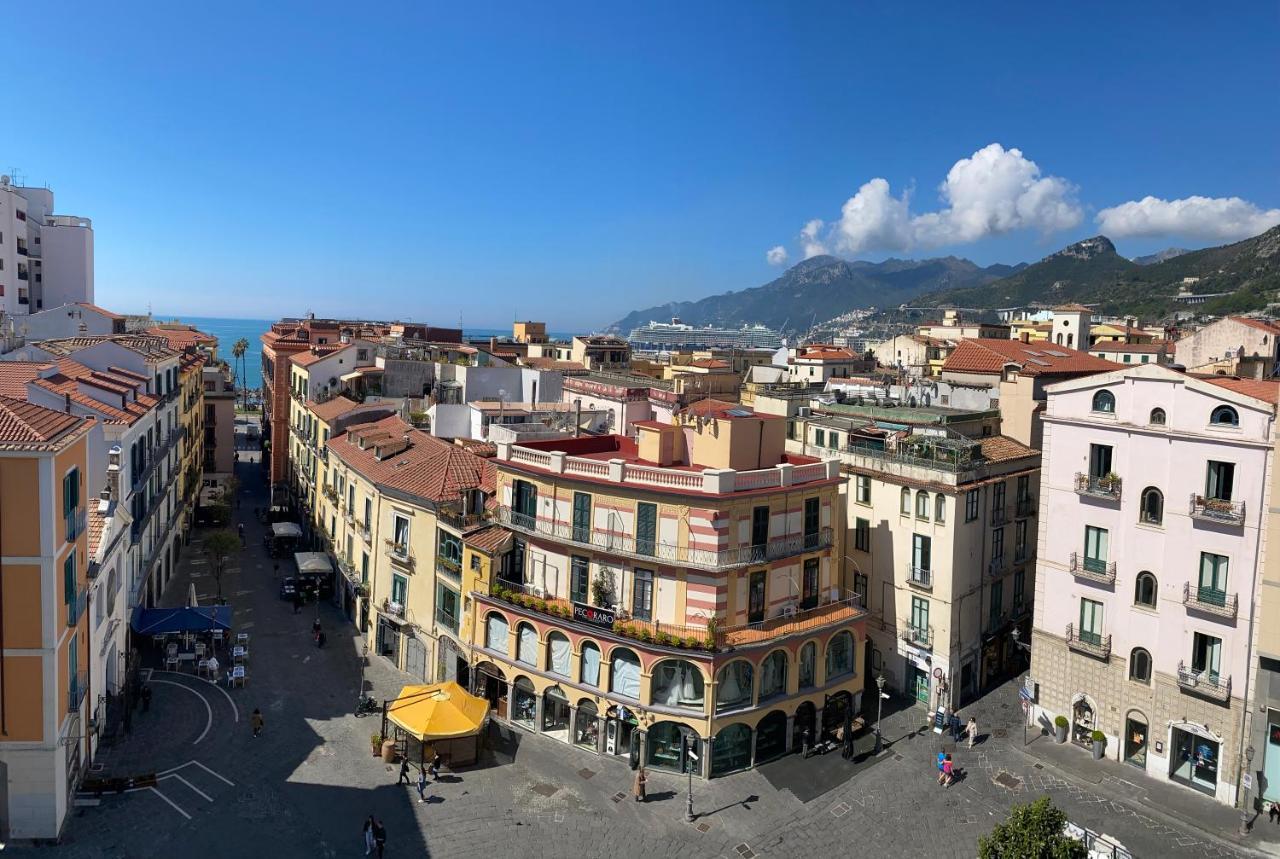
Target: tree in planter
{"points": [[1032, 831], [219, 546], [219, 513], [602, 588]]}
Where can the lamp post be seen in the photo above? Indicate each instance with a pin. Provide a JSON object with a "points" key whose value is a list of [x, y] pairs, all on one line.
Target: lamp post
{"points": [[1244, 803], [690, 753], [879, 710]]}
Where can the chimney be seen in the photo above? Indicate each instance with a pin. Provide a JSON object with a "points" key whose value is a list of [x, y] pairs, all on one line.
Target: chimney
{"points": [[1025, 336], [67, 402], [113, 473], [577, 417]]}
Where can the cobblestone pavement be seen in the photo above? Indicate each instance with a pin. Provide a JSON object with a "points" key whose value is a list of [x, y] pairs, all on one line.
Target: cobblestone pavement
{"points": [[304, 787]]}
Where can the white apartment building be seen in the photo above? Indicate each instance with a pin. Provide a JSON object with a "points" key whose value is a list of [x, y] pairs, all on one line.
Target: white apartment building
{"points": [[1157, 487], [941, 546], [46, 260]]}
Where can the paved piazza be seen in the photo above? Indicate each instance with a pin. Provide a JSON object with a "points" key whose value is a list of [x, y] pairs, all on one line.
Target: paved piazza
{"points": [[303, 788]]}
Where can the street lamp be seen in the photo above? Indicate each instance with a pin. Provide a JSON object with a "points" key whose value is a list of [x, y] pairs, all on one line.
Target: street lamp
{"points": [[879, 710], [690, 753], [1244, 804]]}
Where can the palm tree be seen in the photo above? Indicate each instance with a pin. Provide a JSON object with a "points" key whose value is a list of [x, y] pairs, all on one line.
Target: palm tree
{"points": [[238, 350]]}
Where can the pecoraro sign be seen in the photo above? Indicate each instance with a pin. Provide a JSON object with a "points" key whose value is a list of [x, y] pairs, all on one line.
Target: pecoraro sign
{"points": [[593, 615]]}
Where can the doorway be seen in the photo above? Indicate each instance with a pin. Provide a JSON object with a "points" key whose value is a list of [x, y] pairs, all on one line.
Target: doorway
{"points": [[1135, 742], [1195, 761], [918, 684], [755, 598]]}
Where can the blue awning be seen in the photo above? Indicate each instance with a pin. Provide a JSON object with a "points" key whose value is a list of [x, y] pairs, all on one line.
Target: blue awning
{"points": [[159, 621]]}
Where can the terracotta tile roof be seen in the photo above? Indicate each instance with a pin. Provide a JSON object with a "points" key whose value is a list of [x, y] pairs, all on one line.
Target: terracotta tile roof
{"points": [[428, 468], [182, 338], [479, 448], [14, 376], [1260, 389], [1072, 308], [128, 374], [1000, 448], [317, 353], [97, 524], [542, 363], [24, 425], [1261, 324], [820, 352], [713, 408], [490, 540], [146, 345], [102, 311], [710, 364], [330, 409], [1035, 359]]}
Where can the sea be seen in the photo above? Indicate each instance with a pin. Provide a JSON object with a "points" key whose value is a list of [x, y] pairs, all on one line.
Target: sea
{"points": [[228, 331]]}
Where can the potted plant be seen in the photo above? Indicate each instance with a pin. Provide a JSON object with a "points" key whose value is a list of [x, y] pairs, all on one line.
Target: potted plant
{"points": [[376, 740], [1099, 744], [1060, 724]]}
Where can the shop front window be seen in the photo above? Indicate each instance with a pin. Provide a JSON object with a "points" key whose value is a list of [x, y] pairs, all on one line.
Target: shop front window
{"points": [[586, 725], [677, 683], [839, 655], [731, 750], [771, 736], [524, 703], [555, 713], [1195, 761], [669, 746], [735, 686]]}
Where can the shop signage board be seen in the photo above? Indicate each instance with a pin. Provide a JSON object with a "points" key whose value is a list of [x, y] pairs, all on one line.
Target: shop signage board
{"points": [[939, 720], [593, 615]]}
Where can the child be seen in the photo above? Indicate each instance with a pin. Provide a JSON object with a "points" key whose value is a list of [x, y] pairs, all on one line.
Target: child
{"points": [[948, 771]]}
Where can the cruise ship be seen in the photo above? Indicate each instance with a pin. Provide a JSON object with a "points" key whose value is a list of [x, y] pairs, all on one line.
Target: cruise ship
{"points": [[677, 333]]}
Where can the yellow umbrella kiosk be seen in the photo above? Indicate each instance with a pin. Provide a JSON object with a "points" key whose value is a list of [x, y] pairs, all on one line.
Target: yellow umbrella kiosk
{"points": [[444, 715]]}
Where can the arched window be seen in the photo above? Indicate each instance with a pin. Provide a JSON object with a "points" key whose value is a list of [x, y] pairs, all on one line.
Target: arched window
{"points": [[939, 508], [1140, 665], [495, 633], [773, 675], [1152, 509], [1157, 417], [1224, 416], [624, 673], [1104, 401], [1144, 590], [527, 644], [558, 654], [734, 686], [808, 655], [922, 505], [839, 655], [677, 683], [906, 501], [590, 663]]}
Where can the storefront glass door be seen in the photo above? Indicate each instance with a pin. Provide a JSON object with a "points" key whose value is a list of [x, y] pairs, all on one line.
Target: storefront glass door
{"points": [[1271, 760], [1195, 761], [918, 683], [1135, 742]]}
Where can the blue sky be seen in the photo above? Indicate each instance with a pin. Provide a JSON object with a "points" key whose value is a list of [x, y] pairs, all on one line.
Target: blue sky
{"points": [[571, 162]]}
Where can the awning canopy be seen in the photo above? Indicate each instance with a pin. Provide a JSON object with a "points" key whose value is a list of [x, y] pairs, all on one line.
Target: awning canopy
{"points": [[313, 562], [441, 711], [286, 529], [161, 621]]}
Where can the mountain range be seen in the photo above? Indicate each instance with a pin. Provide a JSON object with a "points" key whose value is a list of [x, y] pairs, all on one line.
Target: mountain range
{"points": [[1238, 277], [821, 288]]}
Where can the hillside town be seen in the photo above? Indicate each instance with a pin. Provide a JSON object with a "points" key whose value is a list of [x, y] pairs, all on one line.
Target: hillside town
{"points": [[794, 572]]}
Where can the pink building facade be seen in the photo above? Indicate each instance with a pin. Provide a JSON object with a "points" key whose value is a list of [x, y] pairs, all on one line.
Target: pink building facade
{"points": [[1158, 485]]}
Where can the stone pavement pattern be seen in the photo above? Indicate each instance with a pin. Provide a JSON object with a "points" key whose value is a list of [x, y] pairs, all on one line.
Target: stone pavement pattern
{"points": [[304, 787]]}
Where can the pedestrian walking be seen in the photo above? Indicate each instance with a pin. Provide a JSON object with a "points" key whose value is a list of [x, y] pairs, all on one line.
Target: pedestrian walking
{"points": [[379, 836], [146, 698], [214, 665], [972, 730], [641, 779], [948, 771], [434, 767], [404, 772], [1273, 812], [942, 760], [297, 599], [368, 835], [257, 721], [422, 785], [240, 527]]}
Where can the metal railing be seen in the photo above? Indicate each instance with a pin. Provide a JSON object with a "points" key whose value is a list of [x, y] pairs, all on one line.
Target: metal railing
{"points": [[450, 566], [996, 567], [1025, 507], [630, 546], [1098, 486], [1209, 684], [1093, 569], [1092, 643], [1021, 554], [393, 609], [400, 554], [919, 577], [462, 521], [446, 619], [1208, 599], [75, 523], [921, 636], [1219, 510]]}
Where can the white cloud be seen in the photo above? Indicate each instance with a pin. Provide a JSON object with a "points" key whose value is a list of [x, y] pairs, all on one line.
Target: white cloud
{"points": [[809, 241], [992, 192], [776, 255], [1209, 218]]}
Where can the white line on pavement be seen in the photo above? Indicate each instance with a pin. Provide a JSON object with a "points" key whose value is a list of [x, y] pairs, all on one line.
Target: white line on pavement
{"points": [[234, 709], [207, 706], [188, 784], [214, 774], [175, 805]]}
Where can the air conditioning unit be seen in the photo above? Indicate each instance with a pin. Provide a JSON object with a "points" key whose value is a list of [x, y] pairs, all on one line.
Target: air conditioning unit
{"points": [[803, 411]]}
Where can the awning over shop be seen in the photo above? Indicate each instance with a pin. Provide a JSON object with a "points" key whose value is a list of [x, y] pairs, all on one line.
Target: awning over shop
{"points": [[162, 621], [438, 712], [286, 529], [313, 562]]}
